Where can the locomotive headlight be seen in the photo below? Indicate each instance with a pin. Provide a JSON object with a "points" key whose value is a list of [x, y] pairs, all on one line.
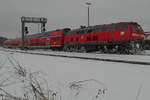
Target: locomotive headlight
{"points": [[142, 35], [122, 33]]}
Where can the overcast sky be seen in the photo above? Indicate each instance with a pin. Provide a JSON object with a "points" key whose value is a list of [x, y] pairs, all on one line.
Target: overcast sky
{"points": [[71, 13]]}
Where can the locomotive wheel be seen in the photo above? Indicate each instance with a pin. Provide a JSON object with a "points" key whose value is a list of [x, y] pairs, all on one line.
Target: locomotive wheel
{"points": [[76, 49], [135, 48], [65, 48], [101, 49], [68, 49], [83, 49], [71, 49], [122, 49]]}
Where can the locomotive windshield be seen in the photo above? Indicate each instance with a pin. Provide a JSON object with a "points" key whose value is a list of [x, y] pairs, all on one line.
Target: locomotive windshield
{"points": [[137, 28]]}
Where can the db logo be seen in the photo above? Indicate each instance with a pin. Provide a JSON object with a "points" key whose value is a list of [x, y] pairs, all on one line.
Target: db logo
{"points": [[82, 37], [122, 33]]}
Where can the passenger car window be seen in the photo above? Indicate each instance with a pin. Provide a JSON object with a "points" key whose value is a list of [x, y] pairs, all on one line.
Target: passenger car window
{"points": [[55, 38]]}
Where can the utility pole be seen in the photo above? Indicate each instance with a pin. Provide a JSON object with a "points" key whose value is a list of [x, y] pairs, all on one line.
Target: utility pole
{"points": [[88, 4], [23, 26]]}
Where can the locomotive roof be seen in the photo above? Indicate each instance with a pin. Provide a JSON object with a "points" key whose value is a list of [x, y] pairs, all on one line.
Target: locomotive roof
{"points": [[97, 26]]}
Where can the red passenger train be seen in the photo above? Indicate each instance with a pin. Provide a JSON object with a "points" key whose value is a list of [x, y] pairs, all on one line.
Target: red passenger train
{"points": [[124, 37]]}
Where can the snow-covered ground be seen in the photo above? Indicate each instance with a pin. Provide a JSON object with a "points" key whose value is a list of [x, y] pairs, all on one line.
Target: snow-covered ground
{"points": [[122, 81], [137, 58]]}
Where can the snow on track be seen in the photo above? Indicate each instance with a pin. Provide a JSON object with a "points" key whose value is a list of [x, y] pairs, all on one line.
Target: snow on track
{"points": [[131, 59]]}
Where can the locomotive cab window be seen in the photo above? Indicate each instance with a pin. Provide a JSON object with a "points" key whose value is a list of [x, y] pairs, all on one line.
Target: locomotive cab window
{"points": [[112, 28], [137, 28], [121, 27]]}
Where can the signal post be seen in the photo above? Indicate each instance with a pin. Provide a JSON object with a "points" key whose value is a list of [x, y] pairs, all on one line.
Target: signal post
{"points": [[24, 29]]}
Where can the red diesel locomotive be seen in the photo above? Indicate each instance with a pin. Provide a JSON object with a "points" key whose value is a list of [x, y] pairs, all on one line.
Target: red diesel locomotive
{"points": [[125, 37]]}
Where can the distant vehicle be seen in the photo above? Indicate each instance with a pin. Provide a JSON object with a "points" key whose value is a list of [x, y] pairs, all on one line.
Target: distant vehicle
{"points": [[124, 37]]}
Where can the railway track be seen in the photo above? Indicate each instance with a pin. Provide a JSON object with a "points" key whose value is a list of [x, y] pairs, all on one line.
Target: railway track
{"points": [[83, 57]]}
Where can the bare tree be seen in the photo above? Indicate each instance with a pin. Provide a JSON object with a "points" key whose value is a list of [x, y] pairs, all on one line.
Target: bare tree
{"points": [[19, 74], [35, 87]]}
